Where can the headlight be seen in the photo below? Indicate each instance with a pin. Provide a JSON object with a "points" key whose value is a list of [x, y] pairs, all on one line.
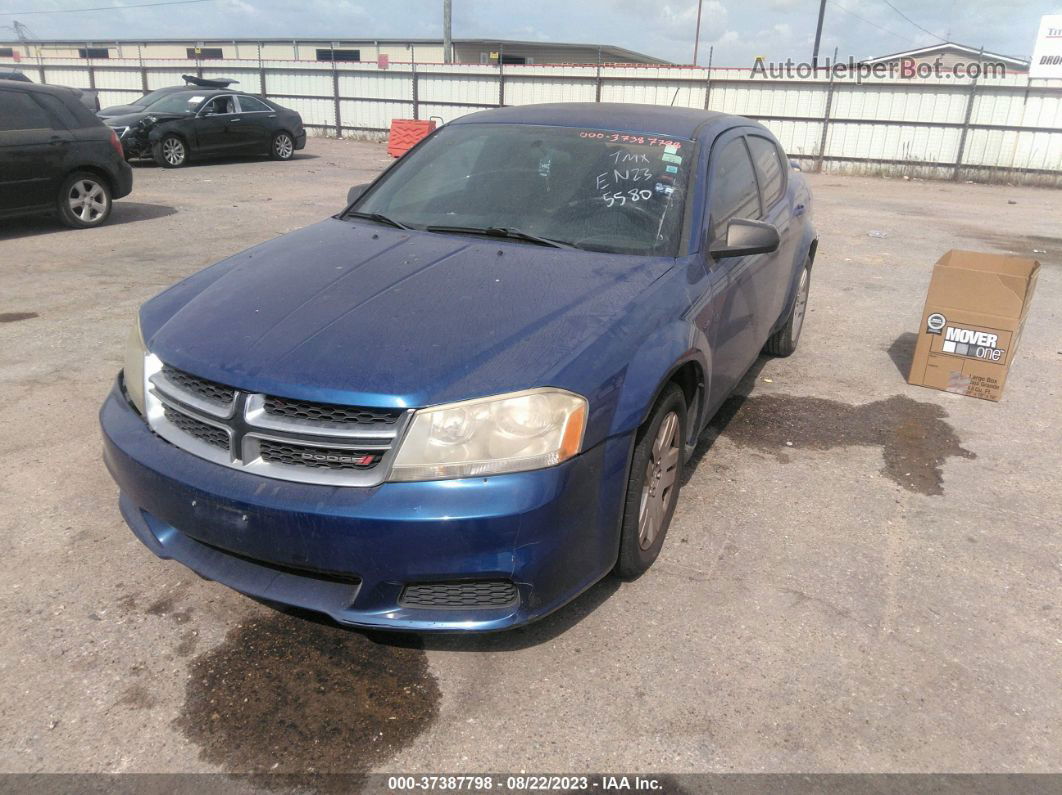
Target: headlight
{"points": [[135, 353], [507, 433]]}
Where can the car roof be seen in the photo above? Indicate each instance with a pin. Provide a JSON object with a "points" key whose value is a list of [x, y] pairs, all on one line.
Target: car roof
{"points": [[37, 88], [680, 122]]}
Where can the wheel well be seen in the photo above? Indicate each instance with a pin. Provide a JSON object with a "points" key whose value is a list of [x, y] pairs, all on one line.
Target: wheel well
{"points": [[812, 250], [96, 172]]}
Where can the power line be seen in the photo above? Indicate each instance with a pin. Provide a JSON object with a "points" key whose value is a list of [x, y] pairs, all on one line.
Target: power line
{"points": [[898, 11], [872, 24], [101, 8]]}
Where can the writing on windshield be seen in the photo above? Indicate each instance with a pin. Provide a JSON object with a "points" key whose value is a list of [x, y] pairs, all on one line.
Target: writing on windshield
{"points": [[599, 190]]}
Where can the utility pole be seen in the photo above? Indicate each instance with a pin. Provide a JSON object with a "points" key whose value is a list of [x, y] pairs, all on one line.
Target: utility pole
{"points": [[697, 34], [448, 45], [818, 35]]}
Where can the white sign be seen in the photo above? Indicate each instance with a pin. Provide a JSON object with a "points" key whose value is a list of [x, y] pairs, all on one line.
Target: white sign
{"points": [[1047, 55]]}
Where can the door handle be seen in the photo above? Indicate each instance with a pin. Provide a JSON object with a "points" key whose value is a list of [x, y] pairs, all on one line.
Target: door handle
{"points": [[236, 119], [56, 140]]}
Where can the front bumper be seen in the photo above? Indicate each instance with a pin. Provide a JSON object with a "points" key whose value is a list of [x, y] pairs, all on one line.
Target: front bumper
{"points": [[349, 552], [300, 139]]}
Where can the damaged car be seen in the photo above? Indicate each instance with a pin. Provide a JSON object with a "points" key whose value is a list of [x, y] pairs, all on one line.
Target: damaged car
{"points": [[197, 122], [152, 97]]}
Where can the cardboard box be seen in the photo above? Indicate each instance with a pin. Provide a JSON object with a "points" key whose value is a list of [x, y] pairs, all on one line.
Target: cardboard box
{"points": [[973, 319]]}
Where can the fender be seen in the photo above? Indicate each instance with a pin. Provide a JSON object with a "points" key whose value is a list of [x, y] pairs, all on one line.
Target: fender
{"points": [[655, 362]]}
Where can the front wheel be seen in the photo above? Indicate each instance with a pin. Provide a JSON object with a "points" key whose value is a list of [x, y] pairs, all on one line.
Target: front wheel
{"points": [[283, 147], [170, 151], [653, 485], [784, 341], [84, 200]]}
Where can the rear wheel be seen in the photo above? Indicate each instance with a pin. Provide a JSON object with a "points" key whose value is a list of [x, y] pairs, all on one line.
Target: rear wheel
{"points": [[84, 200], [283, 147], [170, 151], [653, 485], [784, 341]]}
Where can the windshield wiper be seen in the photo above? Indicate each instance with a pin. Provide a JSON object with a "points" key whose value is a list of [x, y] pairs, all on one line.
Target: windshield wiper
{"points": [[379, 218], [500, 231]]}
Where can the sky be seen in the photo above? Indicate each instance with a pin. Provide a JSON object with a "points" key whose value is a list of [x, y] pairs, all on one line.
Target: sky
{"points": [[737, 30]]}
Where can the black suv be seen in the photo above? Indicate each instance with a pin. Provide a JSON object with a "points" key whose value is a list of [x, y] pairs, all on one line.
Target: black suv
{"points": [[56, 156]]}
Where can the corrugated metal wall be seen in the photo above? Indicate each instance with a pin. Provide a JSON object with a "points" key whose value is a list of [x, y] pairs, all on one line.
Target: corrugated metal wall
{"points": [[1007, 128]]}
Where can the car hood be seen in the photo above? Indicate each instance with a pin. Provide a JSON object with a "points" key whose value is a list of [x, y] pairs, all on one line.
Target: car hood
{"points": [[129, 119], [117, 110], [358, 313]]}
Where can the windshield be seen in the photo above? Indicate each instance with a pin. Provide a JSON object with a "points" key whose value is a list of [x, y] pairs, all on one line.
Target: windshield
{"points": [[147, 99], [184, 102], [599, 190]]}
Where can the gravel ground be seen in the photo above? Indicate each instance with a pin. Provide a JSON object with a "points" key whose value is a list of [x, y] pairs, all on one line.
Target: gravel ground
{"points": [[832, 596]]}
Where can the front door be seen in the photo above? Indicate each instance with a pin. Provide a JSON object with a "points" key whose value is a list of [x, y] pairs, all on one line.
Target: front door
{"points": [[735, 327], [219, 128]]}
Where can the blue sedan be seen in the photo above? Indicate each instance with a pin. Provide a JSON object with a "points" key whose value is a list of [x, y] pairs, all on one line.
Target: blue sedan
{"points": [[469, 396]]}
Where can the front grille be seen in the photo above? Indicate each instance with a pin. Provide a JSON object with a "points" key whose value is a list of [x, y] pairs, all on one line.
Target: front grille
{"points": [[202, 431], [484, 594], [317, 457], [320, 443], [327, 412], [210, 391]]}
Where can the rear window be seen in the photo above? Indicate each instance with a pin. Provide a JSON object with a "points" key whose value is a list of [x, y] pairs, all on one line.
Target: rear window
{"points": [[769, 167], [59, 111], [18, 111]]}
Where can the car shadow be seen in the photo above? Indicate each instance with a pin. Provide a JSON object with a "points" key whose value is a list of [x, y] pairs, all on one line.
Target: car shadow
{"points": [[148, 163], [123, 212], [723, 416]]}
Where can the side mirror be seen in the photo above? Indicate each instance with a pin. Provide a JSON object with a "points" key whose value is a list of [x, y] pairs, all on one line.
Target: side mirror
{"points": [[745, 237], [355, 193]]}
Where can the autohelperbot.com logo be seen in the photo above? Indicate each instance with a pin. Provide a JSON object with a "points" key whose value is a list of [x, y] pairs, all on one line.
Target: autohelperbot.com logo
{"points": [[935, 323]]}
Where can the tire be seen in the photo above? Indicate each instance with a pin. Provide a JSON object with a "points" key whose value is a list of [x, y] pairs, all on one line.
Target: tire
{"points": [[659, 458], [170, 151], [84, 200], [784, 341], [282, 147]]}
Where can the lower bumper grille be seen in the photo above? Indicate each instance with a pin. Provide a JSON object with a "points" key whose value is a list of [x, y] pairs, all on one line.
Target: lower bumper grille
{"points": [[483, 594]]}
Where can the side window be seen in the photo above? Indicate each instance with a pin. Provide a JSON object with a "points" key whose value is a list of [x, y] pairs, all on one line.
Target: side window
{"points": [[252, 105], [769, 168], [59, 111], [733, 186], [18, 111], [219, 106]]}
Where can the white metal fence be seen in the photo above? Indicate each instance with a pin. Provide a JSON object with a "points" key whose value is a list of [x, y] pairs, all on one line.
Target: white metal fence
{"points": [[992, 129]]}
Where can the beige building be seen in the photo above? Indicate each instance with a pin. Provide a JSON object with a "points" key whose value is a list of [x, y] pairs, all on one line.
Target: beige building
{"points": [[483, 51], [948, 54]]}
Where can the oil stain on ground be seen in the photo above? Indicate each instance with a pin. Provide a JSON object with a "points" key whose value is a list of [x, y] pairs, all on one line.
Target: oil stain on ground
{"points": [[285, 695], [915, 439]]}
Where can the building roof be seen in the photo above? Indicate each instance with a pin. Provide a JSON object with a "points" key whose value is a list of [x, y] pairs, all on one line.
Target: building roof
{"points": [[608, 51], [950, 46], [687, 123]]}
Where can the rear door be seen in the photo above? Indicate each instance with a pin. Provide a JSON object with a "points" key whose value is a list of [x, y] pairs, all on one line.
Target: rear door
{"points": [[32, 149], [734, 328], [260, 122]]}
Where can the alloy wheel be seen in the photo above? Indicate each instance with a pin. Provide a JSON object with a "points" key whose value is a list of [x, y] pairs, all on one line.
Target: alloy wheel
{"points": [[659, 483], [283, 146], [87, 201], [173, 151]]}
